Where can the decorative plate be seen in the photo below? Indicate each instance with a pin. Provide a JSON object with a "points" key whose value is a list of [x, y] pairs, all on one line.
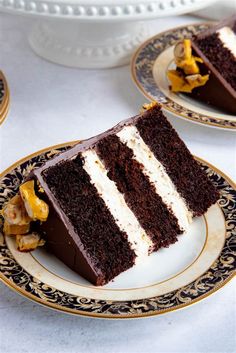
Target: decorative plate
{"points": [[4, 98], [201, 262], [149, 67]]}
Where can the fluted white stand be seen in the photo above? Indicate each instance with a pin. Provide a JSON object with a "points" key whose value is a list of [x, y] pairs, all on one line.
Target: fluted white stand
{"points": [[93, 33], [87, 45]]}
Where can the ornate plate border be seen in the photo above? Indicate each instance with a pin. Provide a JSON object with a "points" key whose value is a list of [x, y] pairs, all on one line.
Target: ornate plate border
{"points": [[4, 98], [142, 74], [221, 271]]}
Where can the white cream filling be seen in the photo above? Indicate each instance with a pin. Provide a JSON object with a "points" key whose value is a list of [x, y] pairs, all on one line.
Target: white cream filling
{"points": [[157, 175], [228, 39], [115, 202]]}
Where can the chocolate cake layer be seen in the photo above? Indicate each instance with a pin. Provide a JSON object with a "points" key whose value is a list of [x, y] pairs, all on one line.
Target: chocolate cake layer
{"points": [[158, 222], [106, 246], [190, 181], [220, 63], [219, 56]]}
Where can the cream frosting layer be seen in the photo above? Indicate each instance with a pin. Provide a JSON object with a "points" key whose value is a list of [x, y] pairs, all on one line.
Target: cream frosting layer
{"points": [[228, 39], [115, 202], [157, 175]]}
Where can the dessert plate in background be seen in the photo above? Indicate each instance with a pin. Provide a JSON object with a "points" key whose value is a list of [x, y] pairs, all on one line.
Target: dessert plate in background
{"points": [[201, 262], [149, 66], [4, 98]]}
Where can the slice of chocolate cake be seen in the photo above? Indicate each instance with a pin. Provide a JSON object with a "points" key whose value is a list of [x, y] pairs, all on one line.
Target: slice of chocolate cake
{"points": [[119, 196], [207, 70]]}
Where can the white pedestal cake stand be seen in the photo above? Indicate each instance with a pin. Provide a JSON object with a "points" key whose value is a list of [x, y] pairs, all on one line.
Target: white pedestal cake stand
{"points": [[93, 33]]}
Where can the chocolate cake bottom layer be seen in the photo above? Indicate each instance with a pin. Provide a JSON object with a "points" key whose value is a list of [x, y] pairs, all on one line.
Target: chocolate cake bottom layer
{"points": [[219, 56], [190, 181], [157, 221], [104, 243]]}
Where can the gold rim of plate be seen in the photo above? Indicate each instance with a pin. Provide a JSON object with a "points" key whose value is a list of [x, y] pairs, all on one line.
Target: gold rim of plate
{"points": [[5, 102], [150, 313], [142, 64]]}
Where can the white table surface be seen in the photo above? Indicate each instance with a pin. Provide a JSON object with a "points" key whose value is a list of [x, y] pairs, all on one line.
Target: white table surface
{"points": [[52, 104]]}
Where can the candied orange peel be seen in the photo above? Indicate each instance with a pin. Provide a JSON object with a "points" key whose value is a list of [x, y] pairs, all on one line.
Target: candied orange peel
{"points": [[14, 212], [14, 229], [36, 208], [184, 58], [181, 83], [187, 76], [18, 214], [29, 242], [148, 106]]}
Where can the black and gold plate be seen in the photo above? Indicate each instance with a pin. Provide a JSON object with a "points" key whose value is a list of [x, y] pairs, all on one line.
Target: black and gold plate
{"points": [[4, 98], [168, 280], [149, 68]]}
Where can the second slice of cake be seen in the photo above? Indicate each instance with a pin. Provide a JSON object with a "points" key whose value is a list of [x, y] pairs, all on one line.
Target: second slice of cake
{"points": [[206, 66]]}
